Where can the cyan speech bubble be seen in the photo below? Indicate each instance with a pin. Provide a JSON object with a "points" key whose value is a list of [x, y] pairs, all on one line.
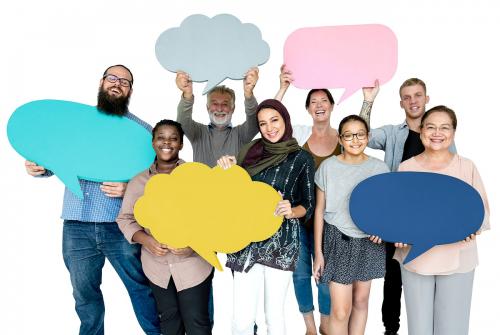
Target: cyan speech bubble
{"points": [[74, 141], [418, 208], [349, 57], [212, 49]]}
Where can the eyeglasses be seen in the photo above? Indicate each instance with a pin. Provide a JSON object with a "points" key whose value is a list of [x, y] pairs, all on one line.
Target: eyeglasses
{"points": [[111, 78], [349, 137]]}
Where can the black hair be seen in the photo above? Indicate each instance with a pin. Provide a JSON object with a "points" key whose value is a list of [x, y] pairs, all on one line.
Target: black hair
{"points": [[170, 123], [327, 92], [123, 66], [350, 118]]}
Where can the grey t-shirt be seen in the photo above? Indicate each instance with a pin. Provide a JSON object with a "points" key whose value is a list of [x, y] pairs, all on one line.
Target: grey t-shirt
{"points": [[337, 179]]}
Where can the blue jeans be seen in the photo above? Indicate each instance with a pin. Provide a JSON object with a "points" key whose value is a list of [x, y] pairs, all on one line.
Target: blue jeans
{"points": [[86, 245], [302, 276]]}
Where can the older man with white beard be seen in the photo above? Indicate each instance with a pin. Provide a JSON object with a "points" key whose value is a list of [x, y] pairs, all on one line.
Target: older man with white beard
{"points": [[219, 138]]}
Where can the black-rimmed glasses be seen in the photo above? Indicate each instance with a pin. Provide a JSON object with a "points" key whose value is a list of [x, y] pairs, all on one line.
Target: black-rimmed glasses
{"points": [[111, 78], [349, 137]]}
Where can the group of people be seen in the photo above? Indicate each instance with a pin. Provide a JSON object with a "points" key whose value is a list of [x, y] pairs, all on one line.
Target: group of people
{"points": [[315, 168]]}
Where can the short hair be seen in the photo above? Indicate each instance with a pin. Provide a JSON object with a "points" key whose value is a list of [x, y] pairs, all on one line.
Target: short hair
{"points": [[327, 92], [350, 118], [444, 109], [123, 66], [171, 123], [222, 89], [412, 82]]}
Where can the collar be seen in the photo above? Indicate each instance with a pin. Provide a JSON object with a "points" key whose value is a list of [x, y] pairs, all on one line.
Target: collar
{"points": [[212, 126], [153, 170]]}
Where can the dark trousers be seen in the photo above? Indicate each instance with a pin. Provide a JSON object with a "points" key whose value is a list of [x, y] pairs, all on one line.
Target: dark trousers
{"points": [[184, 312], [391, 306]]}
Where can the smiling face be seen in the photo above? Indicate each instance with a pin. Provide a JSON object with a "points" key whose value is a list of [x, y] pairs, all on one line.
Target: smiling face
{"points": [[113, 98], [167, 142], [437, 132], [116, 90], [320, 107], [413, 101], [220, 109], [271, 124], [354, 137]]}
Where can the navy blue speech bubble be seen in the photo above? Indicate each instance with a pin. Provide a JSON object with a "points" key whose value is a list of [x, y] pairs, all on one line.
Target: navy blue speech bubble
{"points": [[418, 208]]}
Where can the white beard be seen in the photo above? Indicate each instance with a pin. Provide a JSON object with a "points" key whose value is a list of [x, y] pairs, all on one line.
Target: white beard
{"points": [[220, 122]]}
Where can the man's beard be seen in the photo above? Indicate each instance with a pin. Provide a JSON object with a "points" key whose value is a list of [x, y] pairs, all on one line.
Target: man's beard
{"points": [[220, 123], [111, 105]]}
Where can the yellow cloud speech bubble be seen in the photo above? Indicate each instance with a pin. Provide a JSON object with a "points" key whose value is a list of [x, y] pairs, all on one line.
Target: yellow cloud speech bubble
{"points": [[208, 209]]}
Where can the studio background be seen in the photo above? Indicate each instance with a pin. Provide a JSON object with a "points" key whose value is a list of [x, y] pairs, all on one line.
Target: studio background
{"points": [[59, 49]]}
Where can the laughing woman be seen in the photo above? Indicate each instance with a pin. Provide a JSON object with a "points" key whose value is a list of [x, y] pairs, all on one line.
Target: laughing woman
{"points": [[321, 140], [438, 284], [275, 159]]}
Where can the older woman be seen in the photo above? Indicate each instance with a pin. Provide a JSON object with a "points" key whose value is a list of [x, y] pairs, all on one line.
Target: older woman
{"points": [[321, 140], [438, 284], [275, 159]]}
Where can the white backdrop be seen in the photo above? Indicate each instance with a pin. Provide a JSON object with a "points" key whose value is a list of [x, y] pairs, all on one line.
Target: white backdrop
{"points": [[59, 49]]}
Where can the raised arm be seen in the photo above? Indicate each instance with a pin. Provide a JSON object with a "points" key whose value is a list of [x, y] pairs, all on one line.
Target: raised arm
{"points": [[191, 128], [248, 129], [249, 82], [369, 95], [285, 79]]}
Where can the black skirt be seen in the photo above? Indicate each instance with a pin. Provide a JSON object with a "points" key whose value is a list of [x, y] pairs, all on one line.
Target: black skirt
{"points": [[349, 259]]}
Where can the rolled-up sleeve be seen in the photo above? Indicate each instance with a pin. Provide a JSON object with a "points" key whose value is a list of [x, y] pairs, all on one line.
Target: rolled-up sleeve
{"points": [[126, 219]]}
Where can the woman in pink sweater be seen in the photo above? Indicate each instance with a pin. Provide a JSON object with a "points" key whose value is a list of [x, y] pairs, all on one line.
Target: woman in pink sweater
{"points": [[438, 284]]}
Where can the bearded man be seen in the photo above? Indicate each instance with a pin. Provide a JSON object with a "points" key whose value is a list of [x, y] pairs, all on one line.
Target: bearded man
{"points": [[91, 235], [211, 142]]}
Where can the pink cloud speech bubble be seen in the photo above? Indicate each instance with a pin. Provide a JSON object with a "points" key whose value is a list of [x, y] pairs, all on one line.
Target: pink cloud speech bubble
{"points": [[349, 57]]}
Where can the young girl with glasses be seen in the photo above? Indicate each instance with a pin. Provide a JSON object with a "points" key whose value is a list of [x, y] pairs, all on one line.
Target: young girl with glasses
{"points": [[345, 257]]}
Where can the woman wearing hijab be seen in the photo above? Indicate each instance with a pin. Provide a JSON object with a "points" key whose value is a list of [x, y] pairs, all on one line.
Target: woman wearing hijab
{"points": [[275, 159]]}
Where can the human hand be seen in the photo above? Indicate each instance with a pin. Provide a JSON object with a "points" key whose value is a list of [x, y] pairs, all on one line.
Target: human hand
{"points": [[370, 93], [113, 189], [185, 84], [285, 77], [400, 245], [472, 236], [33, 169], [284, 208], [318, 266], [250, 80], [226, 161], [181, 251], [155, 247], [375, 239]]}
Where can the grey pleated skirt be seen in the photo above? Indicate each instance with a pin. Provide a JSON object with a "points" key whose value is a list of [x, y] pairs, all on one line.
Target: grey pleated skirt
{"points": [[349, 259]]}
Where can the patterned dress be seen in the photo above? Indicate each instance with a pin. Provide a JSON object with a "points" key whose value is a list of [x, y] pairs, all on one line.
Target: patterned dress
{"points": [[294, 178]]}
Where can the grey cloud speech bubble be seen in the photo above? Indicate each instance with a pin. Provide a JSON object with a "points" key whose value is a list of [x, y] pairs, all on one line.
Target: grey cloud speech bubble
{"points": [[212, 49]]}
